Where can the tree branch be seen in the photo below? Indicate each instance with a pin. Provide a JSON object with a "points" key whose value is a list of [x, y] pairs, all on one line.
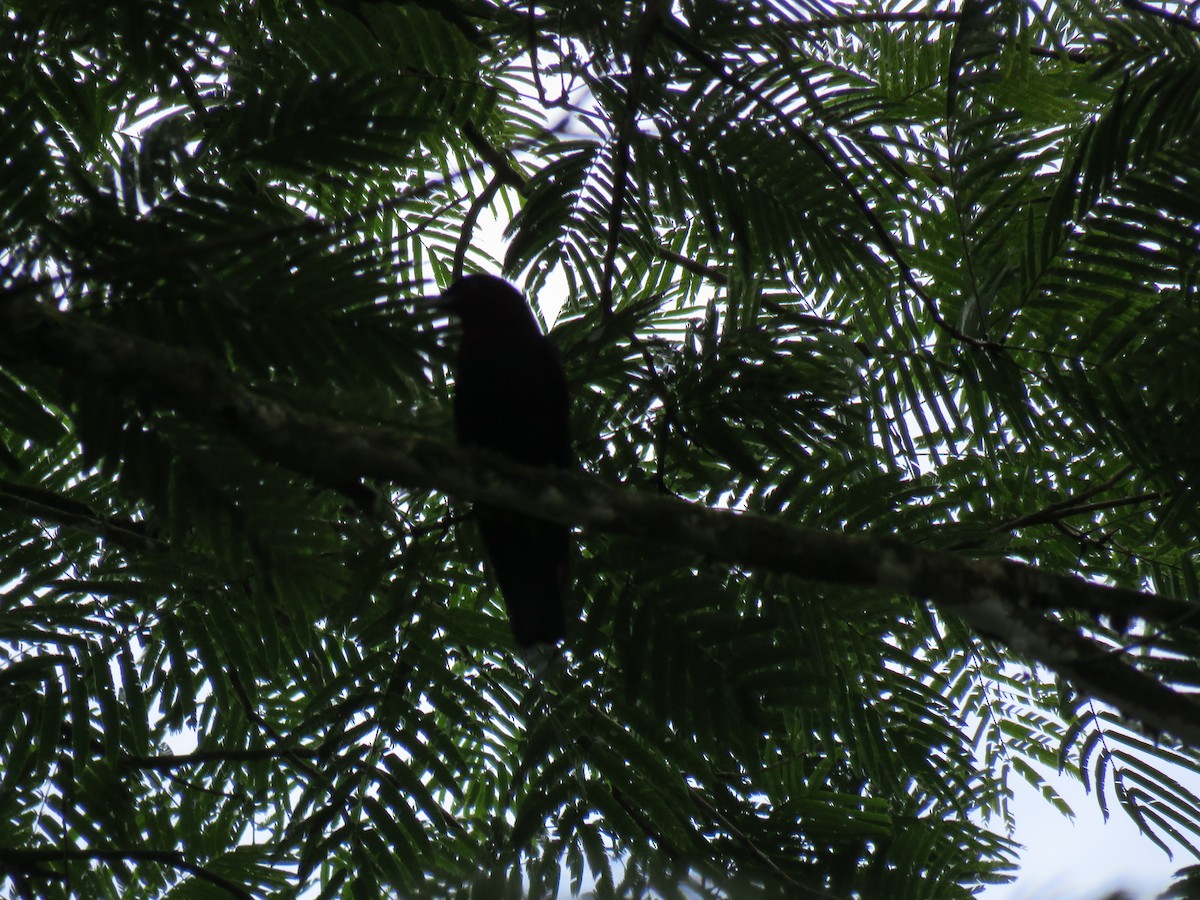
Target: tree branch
{"points": [[1000, 599], [495, 159], [850, 20], [468, 227], [167, 255], [1166, 15], [651, 16], [37, 859], [710, 272], [58, 509], [1055, 513], [886, 242]]}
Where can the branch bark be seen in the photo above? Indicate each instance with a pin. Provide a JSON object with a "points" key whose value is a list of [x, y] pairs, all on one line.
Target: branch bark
{"points": [[1000, 599]]}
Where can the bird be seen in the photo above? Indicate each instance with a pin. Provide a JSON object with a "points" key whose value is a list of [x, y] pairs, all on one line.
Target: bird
{"points": [[510, 397]]}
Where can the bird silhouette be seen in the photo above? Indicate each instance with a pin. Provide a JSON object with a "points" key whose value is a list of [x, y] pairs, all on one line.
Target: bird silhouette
{"points": [[510, 396]]}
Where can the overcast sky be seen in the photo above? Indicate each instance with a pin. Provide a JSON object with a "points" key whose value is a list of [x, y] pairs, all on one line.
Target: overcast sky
{"points": [[1085, 859]]}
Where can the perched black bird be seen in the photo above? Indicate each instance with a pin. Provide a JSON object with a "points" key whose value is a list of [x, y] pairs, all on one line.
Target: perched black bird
{"points": [[510, 396]]}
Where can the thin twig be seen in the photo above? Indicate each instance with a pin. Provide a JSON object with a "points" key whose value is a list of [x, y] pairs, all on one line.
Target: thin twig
{"points": [[825, 23], [651, 18], [1165, 15], [690, 265], [58, 509], [888, 244], [35, 858], [468, 225], [1046, 516], [170, 254]]}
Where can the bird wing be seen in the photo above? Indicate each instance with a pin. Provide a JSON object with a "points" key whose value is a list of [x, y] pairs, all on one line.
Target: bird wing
{"points": [[513, 400]]}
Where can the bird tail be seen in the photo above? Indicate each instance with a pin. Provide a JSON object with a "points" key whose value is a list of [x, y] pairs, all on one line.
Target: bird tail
{"points": [[529, 560]]}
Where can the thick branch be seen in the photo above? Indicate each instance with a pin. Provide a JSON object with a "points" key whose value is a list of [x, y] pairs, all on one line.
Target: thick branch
{"points": [[1003, 600]]}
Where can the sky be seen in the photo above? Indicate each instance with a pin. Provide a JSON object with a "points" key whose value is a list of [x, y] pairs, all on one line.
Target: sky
{"points": [[1086, 859]]}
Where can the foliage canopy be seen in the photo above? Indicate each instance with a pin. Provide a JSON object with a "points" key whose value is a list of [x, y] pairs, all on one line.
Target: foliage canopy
{"points": [[877, 269]]}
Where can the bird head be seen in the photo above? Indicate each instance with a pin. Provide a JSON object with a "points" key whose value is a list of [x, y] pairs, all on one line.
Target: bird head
{"points": [[488, 305]]}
